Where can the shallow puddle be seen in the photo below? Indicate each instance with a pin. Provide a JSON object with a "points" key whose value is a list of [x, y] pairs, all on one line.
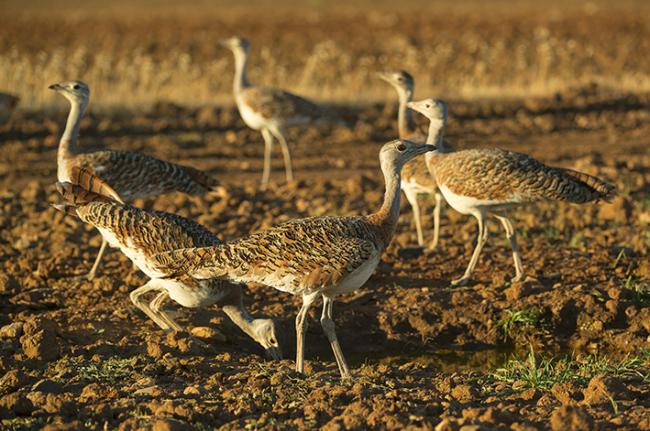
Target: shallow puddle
{"points": [[444, 360]]}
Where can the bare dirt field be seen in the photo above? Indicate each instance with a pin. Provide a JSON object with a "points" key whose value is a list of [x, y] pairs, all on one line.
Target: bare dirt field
{"points": [[567, 349]]}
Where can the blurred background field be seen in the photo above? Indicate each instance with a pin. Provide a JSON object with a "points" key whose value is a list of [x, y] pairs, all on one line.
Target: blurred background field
{"points": [[135, 53]]}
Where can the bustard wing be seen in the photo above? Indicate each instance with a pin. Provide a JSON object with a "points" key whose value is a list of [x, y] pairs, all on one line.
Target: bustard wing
{"points": [[510, 177], [296, 260], [276, 103], [133, 174], [415, 172]]}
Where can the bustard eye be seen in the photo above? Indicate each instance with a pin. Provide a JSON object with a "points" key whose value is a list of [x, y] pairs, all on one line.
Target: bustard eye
{"points": [[76, 86], [401, 147], [428, 106]]}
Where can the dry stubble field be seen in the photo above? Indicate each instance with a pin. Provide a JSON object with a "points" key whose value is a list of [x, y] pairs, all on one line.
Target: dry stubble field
{"points": [[566, 349]]}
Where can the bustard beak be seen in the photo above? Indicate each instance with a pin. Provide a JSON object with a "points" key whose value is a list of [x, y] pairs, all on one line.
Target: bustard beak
{"points": [[55, 87], [274, 353], [226, 43], [424, 148], [383, 76]]}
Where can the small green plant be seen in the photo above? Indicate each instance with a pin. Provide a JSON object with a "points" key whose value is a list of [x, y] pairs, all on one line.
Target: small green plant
{"points": [[533, 372], [109, 370], [543, 373], [628, 366], [641, 290], [619, 257], [517, 321], [577, 240], [552, 233]]}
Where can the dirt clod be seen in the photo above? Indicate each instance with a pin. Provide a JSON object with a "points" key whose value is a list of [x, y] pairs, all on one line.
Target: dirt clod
{"points": [[602, 389], [571, 418]]}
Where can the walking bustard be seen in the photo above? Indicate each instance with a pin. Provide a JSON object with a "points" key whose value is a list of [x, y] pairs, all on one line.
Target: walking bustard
{"points": [[312, 257], [416, 178], [140, 234], [492, 181], [130, 173], [269, 110]]}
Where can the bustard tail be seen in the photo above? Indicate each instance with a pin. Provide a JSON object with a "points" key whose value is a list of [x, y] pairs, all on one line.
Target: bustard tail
{"points": [[204, 180], [84, 189], [586, 188]]}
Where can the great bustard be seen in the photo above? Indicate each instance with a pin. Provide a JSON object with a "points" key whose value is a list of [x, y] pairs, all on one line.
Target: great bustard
{"points": [[318, 256], [492, 181], [416, 178], [269, 110], [130, 173], [8, 103], [140, 234]]}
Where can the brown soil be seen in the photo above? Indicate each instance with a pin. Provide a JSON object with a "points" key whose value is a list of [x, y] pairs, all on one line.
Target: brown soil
{"points": [[77, 354]]}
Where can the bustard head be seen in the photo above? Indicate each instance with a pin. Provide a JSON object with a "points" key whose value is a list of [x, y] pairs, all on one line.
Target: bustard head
{"points": [[394, 154], [265, 334], [433, 109], [74, 91], [236, 44], [401, 80]]}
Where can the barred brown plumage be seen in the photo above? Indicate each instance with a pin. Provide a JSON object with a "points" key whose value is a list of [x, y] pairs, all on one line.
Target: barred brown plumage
{"points": [[416, 178], [268, 109], [482, 181], [140, 234], [131, 174], [318, 256]]}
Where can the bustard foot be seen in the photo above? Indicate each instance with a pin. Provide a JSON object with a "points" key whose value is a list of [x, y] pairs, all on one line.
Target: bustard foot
{"points": [[518, 278], [347, 379], [463, 281]]}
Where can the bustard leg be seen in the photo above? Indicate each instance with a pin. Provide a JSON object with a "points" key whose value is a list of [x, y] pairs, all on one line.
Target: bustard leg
{"points": [[412, 197], [436, 221], [155, 305], [480, 242], [102, 249], [328, 326], [512, 236], [301, 329], [286, 154], [142, 305], [268, 150]]}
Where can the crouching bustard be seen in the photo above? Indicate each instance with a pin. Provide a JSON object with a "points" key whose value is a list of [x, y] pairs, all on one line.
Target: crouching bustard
{"points": [[130, 173], [492, 181], [269, 110], [140, 234], [312, 257]]}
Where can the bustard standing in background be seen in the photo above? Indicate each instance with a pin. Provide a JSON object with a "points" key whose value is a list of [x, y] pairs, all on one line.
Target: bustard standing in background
{"points": [[492, 181], [140, 234], [416, 178], [318, 256], [130, 173], [269, 110]]}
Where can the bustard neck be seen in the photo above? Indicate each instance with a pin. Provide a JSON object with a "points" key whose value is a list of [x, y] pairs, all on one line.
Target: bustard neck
{"points": [[241, 318], [435, 135], [405, 122], [241, 77], [387, 216], [68, 141]]}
